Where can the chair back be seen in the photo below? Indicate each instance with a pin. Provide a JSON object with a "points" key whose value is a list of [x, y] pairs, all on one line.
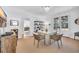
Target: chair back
{"points": [[39, 36], [55, 37], [60, 36], [36, 37]]}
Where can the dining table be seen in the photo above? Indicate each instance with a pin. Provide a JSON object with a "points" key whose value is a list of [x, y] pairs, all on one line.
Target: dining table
{"points": [[46, 34]]}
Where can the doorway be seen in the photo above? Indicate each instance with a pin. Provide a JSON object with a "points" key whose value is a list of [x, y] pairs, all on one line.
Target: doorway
{"points": [[26, 28]]}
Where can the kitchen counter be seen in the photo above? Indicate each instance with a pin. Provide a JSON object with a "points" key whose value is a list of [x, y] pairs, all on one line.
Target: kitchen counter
{"points": [[7, 34]]}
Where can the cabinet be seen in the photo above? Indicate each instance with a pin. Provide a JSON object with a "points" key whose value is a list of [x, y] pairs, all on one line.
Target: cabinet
{"points": [[38, 25], [8, 44]]}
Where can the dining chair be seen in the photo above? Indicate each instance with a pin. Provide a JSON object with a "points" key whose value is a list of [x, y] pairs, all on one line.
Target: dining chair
{"points": [[38, 37], [57, 38]]}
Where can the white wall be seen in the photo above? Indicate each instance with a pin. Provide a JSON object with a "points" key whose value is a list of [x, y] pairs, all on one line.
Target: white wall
{"points": [[72, 15], [8, 28], [21, 24]]}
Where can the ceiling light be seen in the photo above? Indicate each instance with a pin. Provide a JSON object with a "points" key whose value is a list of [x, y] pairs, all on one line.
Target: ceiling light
{"points": [[46, 8]]}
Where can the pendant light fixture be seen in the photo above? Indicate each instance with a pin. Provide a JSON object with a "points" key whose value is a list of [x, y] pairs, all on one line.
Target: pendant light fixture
{"points": [[46, 8]]}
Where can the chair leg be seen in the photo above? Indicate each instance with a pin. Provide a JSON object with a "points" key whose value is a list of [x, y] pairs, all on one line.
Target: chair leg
{"points": [[58, 44], [74, 37], [61, 42], [50, 41], [38, 44], [44, 42], [34, 41]]}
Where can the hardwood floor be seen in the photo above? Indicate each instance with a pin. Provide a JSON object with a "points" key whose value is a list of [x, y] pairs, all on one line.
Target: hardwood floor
{"points": [[26, 46]]}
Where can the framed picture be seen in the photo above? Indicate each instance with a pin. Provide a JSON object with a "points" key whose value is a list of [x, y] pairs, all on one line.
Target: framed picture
{"points": [[14, 22]]}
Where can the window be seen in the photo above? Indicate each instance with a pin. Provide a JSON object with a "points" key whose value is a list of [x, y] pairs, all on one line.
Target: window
{"points": [[64, 22], [61, 22], [56, 23]]}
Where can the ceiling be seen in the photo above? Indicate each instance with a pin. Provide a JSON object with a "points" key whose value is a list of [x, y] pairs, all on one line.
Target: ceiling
{"points": [[34, 10]]}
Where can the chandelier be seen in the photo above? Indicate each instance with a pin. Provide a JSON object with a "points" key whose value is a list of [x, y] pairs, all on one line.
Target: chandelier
{"points": [[46, 8]]}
